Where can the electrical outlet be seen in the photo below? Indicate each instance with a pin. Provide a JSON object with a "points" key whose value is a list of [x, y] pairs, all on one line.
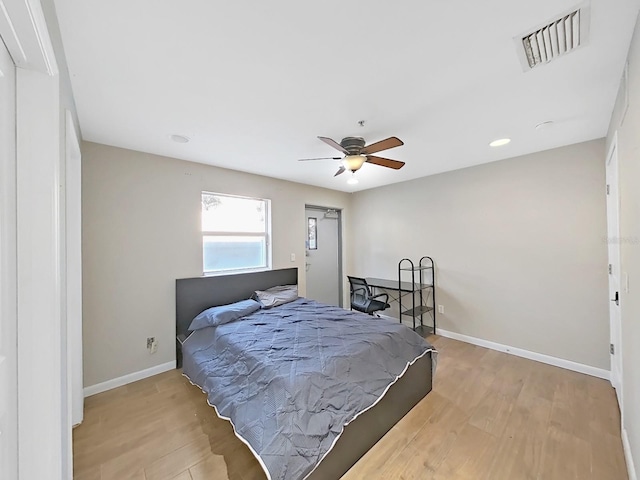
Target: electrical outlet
{"points": [[293, 257], [440, 308], [154, 346], [150, 342]]}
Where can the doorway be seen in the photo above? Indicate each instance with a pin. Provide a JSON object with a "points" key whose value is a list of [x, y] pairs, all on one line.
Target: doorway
{"points": [[613, 245], [323, 259]]}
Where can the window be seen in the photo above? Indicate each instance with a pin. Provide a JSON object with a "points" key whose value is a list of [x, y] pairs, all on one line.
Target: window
{"points": [[235, 233]]}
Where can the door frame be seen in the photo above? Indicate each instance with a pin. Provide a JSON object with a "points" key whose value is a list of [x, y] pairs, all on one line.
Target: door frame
{"points": [[73, 251], [613, 254], [42, 432], [8, 276], [340, 247]]}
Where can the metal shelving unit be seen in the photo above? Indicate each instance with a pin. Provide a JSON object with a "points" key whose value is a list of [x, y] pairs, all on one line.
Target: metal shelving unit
{"points": [[422, 292]]}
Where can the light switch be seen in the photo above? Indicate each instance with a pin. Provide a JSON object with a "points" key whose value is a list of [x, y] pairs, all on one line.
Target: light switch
{"points": [[293, 257]]}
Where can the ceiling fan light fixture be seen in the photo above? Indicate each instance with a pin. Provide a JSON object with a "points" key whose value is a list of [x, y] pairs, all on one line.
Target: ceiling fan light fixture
{"points": [[354, 162], [352, 180]]}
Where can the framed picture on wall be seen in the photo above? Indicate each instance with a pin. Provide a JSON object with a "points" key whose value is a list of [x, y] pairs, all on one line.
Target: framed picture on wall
{"points": [[312, 233]]}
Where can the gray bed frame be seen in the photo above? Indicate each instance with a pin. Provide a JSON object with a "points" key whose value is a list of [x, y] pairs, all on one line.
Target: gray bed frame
{"points": [[193, 295]]}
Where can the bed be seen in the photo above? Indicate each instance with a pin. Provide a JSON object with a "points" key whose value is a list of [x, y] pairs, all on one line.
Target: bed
{"points": [[291, 443]]}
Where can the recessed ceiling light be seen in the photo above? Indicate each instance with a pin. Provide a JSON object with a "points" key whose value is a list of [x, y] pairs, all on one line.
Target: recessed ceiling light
{"points": [[500, 142], [179, 138]]}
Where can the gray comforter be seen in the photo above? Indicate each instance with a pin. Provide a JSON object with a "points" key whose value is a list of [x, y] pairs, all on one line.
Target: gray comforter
{"points": [[290, 378]]}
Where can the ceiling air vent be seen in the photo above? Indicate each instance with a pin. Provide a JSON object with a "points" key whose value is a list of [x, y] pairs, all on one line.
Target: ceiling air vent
{"points": [[553, 39]]}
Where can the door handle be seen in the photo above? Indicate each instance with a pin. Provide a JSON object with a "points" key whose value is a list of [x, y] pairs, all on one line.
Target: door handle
{"points": [[616, 299]]}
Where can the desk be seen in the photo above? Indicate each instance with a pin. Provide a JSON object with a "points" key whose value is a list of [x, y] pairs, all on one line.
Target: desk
{"points": [[405, 288]]}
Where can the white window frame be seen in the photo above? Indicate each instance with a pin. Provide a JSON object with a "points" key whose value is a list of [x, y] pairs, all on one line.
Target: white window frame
{"points": [[266, 235]]}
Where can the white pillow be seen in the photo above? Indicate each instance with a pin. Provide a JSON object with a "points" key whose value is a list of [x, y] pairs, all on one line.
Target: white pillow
{"points": [[275, 296]]}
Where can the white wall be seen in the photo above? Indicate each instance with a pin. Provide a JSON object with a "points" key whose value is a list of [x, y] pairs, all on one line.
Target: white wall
{"points": [[67, 102], [628, 129], [519, 247], [40, 339], [141, 231]]}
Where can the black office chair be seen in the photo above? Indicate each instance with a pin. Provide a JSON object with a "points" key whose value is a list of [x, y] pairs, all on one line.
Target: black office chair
{"points": [[362, 299]]}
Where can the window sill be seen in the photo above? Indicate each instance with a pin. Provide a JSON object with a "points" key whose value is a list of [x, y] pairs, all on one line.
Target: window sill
{"points": [[235, 272]]}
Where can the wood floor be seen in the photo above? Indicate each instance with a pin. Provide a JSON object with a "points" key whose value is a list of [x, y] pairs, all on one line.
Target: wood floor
{"points": [[490, 416]]}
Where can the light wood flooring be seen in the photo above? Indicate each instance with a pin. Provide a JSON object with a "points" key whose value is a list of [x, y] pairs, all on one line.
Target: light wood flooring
{"points": [[490, 416]]}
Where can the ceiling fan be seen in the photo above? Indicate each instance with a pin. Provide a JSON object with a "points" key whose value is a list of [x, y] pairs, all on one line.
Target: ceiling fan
{"points": [[357, 154]]}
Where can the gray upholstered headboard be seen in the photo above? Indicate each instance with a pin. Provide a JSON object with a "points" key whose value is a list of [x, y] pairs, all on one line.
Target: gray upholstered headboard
{"points": [[193, 295]]}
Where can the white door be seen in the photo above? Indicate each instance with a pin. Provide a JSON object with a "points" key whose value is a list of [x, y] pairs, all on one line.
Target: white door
{"points": [[322, 260], [8, 309], [613, 231]]}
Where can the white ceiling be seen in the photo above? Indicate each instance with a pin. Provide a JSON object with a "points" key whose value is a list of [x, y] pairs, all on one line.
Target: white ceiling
{"points": [[252, 83]]}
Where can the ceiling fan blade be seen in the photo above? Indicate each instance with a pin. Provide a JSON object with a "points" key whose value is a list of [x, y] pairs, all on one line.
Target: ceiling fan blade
{"points": [[340, 170], [386, 144], [319, 158], [334, 144], [385, 162]]}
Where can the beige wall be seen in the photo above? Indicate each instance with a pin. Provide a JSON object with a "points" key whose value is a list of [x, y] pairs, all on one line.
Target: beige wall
{"points": [[141, 231], [628, 129], [519, 247]]}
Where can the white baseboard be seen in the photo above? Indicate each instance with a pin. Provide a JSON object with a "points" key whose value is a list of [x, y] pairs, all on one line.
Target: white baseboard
{"points": [[631, 468], [130, 378], [538, 357]]}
